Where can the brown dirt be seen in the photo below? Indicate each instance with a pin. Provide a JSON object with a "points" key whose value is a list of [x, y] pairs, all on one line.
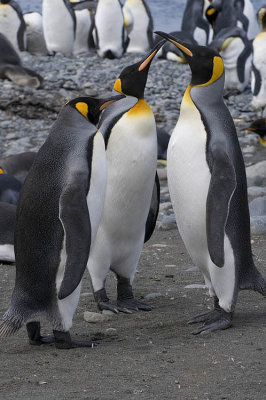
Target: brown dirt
{"points": [[153, 355]]}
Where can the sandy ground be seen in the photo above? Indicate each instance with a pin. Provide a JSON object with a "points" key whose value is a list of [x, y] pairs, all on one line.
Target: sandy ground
{"points": [[146, 355]]}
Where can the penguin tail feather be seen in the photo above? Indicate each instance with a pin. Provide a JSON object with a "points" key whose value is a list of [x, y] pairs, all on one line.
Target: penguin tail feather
{"points": [[12, 322]]}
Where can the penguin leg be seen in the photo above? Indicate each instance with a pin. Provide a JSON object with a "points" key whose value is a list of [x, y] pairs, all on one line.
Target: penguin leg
{"points": [[125, 298], [103, 302], [34, 333], [63, 341], [214, 320]]}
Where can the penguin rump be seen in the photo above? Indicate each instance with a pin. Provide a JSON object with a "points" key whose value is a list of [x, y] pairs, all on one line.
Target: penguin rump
{"points": [[58, 215], [208, 188]]}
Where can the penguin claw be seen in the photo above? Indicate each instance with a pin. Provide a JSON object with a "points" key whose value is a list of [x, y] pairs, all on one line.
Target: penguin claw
{"points": [[133, 304], [205, 317], [63, 341], [102, 305], [220, 324]]}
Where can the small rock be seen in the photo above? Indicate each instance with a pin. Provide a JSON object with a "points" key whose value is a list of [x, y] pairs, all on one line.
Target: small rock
{"points": [[255, 191], [193, 269], [95, 318], [257, 207], [258, 225], [167, 223], [256, 173], [196, 286], [165, 206], [162, 174], [152, 296], [111, 332]]}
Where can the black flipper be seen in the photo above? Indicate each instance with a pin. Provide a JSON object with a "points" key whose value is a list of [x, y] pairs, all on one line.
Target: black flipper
{"points": [[75, 218], [154, 209], [221, 189]]}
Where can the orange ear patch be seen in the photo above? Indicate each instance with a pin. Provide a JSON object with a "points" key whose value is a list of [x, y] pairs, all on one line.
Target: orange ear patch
{"points": [[118, 86], [82, 108], [2, 171]]}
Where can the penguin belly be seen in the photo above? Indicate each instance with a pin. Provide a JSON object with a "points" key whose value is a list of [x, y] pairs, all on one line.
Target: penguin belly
{"points": [[189, 179], [9, 24], [35, 37], [258, 83], [131, 165], [230, 57], [139, 41], [109, 22], [200, 36], [95, 201], [81, 44], [58, 27]]}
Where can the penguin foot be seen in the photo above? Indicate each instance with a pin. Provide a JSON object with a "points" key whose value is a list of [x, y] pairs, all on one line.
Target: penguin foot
{"points": [[103, 302], [224, 322], [205, 317], [125, 297], [34, 333], [63, 341]]}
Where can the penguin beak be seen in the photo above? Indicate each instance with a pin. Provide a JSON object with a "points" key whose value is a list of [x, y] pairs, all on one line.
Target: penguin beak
{"points": [[184, 47], [148, 59], [111, 100]]}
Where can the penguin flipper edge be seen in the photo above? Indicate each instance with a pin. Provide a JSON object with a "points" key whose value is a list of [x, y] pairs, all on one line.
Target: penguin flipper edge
{"points": [[75, 219], [221, 190], [154, 209]]}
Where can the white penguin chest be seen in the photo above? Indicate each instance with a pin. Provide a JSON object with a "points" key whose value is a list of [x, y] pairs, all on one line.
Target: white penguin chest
{"points": [[131, 162], [189, 175], [138, 35]]}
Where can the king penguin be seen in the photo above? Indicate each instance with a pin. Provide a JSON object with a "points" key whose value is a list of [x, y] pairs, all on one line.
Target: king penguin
{"points": [[109, 33], [59, 26], [258, 70], [18, 165], [57, 219], [141, 36], [12, 24], [259, 127], [195, 23], [34, 31], [132, 191], [208, 188]]}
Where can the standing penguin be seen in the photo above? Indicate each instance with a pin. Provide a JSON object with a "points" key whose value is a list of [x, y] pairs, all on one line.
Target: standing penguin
{"points": [[34, 31], [12, 24], [246, 18], [258, 71], [18, 165], [59, 26], [141, 36], [108, 33], [132, 192], [208, 189], [195, 23], [57, 219]]}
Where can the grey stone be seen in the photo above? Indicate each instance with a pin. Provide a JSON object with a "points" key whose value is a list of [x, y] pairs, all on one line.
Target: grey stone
{"points": [[258, 225], [95, 318], [167, 223], [257, 207], [255, 191], [256, 173], [152, 296]]}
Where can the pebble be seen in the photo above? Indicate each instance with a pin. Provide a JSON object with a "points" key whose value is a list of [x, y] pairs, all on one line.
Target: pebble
{"points": [[196, 286], [167, 223], [95, 318], [257, 207], [152, 296], [256, 191], [258, 225]]}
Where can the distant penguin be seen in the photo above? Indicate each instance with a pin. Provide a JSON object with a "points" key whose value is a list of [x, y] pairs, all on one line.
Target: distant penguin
{"points": [[141, 36], [59, 26], [208, 188], [259, 126], [109, 35], [195, 23], [128, 24], [132, 192], [246, 17], [236, 50], [7, 227], [9, 188], [34, 31], [12, 24], [57, 219], [17, 165], [258, 71], [83, 18], [162, 142], [12, 68]]}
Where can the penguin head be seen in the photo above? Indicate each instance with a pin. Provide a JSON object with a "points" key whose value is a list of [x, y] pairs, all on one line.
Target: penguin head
{"points": [[132, 80], [262, 17], [205, 63], [91, 107], [259, 127], [213, 11]]}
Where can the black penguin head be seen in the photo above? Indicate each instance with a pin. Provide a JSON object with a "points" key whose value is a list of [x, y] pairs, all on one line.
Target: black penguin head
{"points": [[259, 127], [213, 11], [91, 107], [262, 17], [205, 63], [132, 80]]}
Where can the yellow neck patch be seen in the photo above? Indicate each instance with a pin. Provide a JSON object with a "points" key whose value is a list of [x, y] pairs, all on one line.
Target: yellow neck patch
{"points": [[211, 11], [217, 72], [118, 86], [2, 171], [140, 108], [226, 43], [187, 99], [263, 142], [82, 108]]}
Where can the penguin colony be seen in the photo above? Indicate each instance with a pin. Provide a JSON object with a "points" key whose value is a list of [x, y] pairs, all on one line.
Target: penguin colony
{"points": [[61, 209]]}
